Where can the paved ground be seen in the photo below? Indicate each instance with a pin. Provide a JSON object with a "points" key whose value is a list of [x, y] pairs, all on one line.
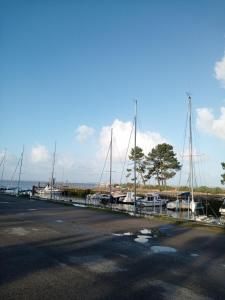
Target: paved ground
{"points": [[51, 251]]}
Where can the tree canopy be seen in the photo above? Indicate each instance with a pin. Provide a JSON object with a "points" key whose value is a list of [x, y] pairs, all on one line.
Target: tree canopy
{"points": [[161, 163], [138, 155]]}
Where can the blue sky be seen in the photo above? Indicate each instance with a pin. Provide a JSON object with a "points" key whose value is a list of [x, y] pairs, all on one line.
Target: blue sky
{"points": [[70, 63]]}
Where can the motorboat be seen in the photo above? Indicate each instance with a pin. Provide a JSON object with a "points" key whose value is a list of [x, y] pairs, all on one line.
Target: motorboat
{"points": [[129, 198], [48, 190], [183, 203], [178, 204], [98, 197], [151, 200]]}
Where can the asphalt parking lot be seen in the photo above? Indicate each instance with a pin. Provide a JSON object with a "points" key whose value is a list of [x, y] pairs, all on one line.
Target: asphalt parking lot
{"points": [[53, 251]]}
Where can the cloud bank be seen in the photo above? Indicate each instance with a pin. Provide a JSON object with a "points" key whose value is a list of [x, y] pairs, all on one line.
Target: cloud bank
{"points": [[121, 135], [220, 70], [83, 132], [207, 122], [39, 153]]}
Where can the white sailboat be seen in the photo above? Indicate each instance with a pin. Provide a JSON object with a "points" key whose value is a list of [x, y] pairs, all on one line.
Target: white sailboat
{"points": [[50, 189], [99, 196], [188, 202], [21, 164], [131, 196]]}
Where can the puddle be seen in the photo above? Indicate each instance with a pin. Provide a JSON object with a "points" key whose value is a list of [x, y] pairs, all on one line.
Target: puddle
{"points": [[35, 229], [125, 256], [145, 236], [20, 231], [145, 231], [97, 264], [62, 265], [123, 234], [168, 290], [194, 254], [103, 266], [4, 202], [59, 221], [31, 209], [141, 239], [79, 205], [163, 249]]}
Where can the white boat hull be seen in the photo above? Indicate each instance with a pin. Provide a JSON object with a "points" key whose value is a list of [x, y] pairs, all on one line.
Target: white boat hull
{"points": [[146, 203], [49, 191], [222, 211]]}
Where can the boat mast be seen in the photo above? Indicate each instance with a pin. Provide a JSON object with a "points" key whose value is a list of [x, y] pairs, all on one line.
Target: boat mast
{"points": [[53, 168], [21, 163], [110, 173], [190, 150], [135, 143]]}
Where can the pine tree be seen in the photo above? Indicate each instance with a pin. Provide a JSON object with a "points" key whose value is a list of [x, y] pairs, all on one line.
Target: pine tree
{"points": [[138, 155], [162, 163], [223, 175]]}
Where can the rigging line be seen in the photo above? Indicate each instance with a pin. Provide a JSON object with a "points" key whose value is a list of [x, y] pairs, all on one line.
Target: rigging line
{"points": [[119, 154], [104, 166], [213, 211], [21, 163], [2, 161], [184, 141], [198, 171], [3, 158], [204, 168], [3, 166], [14, 172], [125, 159]]}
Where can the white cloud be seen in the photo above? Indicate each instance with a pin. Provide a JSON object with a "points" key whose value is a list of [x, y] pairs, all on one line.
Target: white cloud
{"points": [[39, 153], [207, 122], [83, 132], [66, 161], [220, 71], [121, 134]]}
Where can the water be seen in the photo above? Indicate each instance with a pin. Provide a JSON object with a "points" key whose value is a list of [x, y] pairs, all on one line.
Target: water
{"points": [[27, 185]]}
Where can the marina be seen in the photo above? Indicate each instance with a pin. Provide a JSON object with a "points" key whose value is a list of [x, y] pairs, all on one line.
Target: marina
{"points": [[67, 249], [112, 156], [102, 201]]}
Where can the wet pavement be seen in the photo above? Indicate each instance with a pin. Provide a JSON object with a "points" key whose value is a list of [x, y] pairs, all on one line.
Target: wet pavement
{"points": [[54, 251]]}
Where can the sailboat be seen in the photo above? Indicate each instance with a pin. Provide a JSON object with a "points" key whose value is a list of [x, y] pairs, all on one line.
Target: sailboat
{"points": [[105, 198], [49, 189], [186, 200], [131, 196]]}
